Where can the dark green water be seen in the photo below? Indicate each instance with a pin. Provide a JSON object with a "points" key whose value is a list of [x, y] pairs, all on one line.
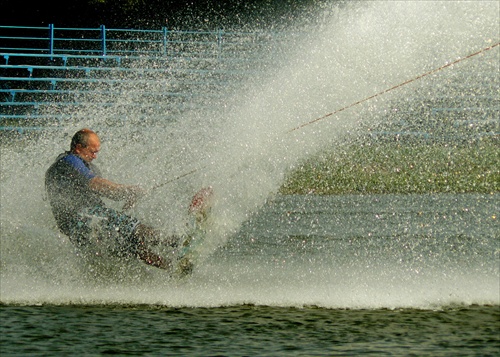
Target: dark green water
{"points": [[248, 331]]}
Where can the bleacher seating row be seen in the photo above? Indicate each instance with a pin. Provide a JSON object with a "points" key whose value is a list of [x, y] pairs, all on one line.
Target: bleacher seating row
{"points": [[50, 75]]}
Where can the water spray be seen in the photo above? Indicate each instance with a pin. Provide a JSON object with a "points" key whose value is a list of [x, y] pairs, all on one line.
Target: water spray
{"points": [[356, 103], [395, 87]]}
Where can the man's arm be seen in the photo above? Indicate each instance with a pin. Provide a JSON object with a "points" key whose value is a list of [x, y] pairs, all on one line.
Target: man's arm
{"points": [[114, 190]]}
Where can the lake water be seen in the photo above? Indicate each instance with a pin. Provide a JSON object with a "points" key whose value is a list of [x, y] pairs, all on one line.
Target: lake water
{"points": [[306, 275]]}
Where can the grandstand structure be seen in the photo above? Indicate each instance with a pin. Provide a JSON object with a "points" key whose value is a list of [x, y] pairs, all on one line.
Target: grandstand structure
{"points": [[49, 75]]}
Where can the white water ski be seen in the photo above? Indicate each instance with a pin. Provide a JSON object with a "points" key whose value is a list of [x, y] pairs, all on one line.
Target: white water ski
{"points": [[189, 251]]}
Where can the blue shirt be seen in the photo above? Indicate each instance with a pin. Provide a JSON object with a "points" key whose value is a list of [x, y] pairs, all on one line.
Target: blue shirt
{"points": [[79, 165], [67, 182]]}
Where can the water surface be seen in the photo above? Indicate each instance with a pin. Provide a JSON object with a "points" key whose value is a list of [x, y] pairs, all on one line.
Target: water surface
{"points": [[306, 275]]}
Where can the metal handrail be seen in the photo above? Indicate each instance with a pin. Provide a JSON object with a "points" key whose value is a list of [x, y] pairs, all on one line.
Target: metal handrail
{"points": [[104, 42]]}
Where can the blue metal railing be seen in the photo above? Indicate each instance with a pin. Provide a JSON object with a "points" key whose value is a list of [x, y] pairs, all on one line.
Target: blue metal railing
{"points": [[102, 41], [91, 40]]}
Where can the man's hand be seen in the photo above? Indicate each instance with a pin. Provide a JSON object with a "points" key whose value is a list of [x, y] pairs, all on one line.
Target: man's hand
{"points": [[132, 195]]}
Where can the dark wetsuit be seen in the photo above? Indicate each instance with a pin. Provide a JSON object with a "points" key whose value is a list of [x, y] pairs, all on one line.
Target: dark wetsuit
{"points": [[79, 211]]}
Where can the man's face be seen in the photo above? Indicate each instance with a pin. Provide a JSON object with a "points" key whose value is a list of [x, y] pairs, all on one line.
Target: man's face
{"points": [[89, 152]]}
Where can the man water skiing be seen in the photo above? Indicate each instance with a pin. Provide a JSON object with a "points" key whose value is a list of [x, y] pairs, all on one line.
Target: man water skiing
{"points": [[75, 186]]}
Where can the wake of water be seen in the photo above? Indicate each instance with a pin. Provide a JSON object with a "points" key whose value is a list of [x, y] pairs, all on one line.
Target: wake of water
{"points": [[240, 147]]}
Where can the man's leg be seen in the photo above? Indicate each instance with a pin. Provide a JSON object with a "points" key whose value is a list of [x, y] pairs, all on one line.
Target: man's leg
{"points": [[151, 236], [147, 236]]}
